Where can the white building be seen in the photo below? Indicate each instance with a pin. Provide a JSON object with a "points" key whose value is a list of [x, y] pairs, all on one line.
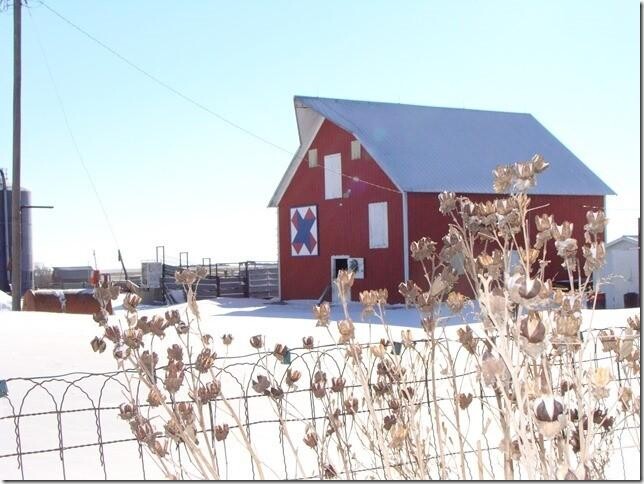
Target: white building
{"points": [[620, 274]]}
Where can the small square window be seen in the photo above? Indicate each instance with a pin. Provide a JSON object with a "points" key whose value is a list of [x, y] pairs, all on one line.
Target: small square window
{"points": [[313, 158], [356, 150]]}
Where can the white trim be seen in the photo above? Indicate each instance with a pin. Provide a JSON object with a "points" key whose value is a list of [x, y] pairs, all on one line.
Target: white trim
{"points": [[405, 215], [290, 172], [296, 160], [279, 258], [631, 239]]}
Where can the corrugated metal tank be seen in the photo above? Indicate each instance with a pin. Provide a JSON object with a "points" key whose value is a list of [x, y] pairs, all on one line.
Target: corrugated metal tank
{"points": [[5, 241]]}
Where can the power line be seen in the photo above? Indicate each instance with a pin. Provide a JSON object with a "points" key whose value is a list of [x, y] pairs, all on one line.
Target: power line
{"points": [[193, 101], [71, 133], [164, 84]]}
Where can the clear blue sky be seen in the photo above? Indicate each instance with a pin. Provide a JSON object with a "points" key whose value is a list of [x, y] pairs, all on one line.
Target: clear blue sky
{"points": [[170, 174]]}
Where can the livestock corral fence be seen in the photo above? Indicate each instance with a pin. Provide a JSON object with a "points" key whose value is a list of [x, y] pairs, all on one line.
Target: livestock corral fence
{"points": [[68, 426], [238, 279]]}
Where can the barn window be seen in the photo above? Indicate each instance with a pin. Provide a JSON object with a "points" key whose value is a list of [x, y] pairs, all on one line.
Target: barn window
{"points": [[313, 158], [355, 149], [332, 176], [378, 226]]}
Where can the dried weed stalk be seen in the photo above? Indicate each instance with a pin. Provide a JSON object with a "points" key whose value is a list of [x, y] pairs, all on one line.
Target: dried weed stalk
{"points": [[522, 382]]}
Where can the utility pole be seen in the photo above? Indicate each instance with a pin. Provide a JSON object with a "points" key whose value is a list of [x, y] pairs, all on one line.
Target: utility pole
{"points": [[16, 219]]}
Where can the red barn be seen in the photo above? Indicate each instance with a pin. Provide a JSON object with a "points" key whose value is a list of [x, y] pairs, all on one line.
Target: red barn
{"points": [[365, 180]]}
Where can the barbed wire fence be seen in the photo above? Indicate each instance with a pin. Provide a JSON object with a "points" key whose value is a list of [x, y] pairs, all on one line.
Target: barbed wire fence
{"points": [[43, 440]]}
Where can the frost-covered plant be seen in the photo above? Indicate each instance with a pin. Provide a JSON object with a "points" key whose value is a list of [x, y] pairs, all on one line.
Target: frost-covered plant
{"points": [[525, 384]]}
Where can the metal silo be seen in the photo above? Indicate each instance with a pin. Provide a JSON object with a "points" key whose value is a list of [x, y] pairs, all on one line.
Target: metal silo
{"points": [[26, 263]]}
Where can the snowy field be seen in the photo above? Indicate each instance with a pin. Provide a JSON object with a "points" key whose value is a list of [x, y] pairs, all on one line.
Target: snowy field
{"points": [[40, 345]]}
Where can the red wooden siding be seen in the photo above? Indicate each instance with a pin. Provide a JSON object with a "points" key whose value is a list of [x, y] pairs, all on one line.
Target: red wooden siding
{"points": [[343, 225], [426, 220]]}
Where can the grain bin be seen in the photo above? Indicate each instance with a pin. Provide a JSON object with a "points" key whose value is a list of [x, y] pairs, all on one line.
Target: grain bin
{"points": [[5, 239]]}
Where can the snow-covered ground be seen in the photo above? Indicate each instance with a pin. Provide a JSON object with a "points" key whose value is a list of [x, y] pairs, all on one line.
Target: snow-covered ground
{"points": [[39, 345]]}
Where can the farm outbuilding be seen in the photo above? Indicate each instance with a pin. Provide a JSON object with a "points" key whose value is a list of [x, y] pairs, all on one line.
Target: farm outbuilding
{"points": [[365, 180], [619, 278]]}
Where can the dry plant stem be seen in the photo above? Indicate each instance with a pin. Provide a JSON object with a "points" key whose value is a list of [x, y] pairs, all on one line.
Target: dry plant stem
{"points": [[441, 445], [456, 410], [365, 389]]}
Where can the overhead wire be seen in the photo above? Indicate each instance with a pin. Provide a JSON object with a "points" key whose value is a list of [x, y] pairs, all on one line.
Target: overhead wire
{"points": [[71, 132], [192, 101], [164, 84]]}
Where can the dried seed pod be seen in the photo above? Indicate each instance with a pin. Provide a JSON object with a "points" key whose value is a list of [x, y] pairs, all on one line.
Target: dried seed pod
{"points": [[407, 338], [354, 353], [599, 380], [98, 345], [307, 342], [205, 360], [394, 405], [148, 362], [410, 291], [597, 222], [280, 352], [113, 333], [625, 396], [311, 439], [423, 249], [337, 384], [262, 384], [321, 313], [185, 277], [456, 301], [351, 405], [368, 299], [182, 327], [101, 316], [466, 338], [634, 322], [227, 339], [345, 279], [381, 388], [157, 326], [173, 316], [221, 432], [201, 272], [158, 449], [389, 421], [155, 397], [549, 414], [208, 392], [133, 338], [492, 369], [532, 328], [175, 352], [464, 400], [127, 411], [346, 330], [329, 472], [447, 202], [407, 393], [292, 376], [378, 350], [318, 389], [257, 341], [276, 393]]}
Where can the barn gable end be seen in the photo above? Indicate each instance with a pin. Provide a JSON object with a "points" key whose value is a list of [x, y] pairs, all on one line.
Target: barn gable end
{"points": [[342, 223]]}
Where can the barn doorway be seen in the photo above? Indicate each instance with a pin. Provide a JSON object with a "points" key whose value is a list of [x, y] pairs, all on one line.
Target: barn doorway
{"points": [[338, 263]]}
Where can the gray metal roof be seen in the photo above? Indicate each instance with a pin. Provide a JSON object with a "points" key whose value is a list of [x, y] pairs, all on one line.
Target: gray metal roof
{"points": [[431, 149]]}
